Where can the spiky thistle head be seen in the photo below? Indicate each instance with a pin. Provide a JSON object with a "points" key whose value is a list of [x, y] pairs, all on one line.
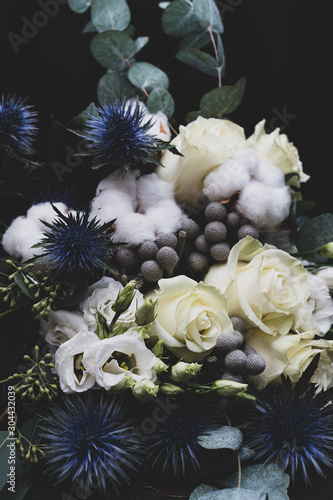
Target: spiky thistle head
{"points": [[293, 426], [173, 449], [17, 125], [120, 137], [75, 245]]}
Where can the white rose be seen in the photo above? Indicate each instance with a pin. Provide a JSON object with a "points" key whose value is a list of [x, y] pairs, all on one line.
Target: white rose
{"points": [[117, 361], [290, 355], [277, 149], [73, 374], [263, 285], [204, 144], [189, 317], [326, 274], [101, 297]]}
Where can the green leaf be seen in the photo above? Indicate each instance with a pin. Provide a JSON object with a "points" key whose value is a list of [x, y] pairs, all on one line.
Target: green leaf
{"points": [[110, 15], [234, 494], [222, 100], [146, 76], [315, 233], [178, 19], [196, 39], [112, 49], [79, 6], [192, 115], [201, 490], [77, 294], [268, 479], [79, 121], [140, 42], [200, 60], [161, 100], [224, 437], [89, 28], [19, 280], [113, 85], [208, 15]]}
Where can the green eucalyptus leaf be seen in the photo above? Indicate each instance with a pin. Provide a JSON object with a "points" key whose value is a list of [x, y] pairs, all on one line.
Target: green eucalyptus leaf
{"points": [[200, 60], [234, 494], [201, 490], [110, 15], [178, 19], [112, 85], [19, 280], [208, 15], [89, 28], [222, 100], [79, 6], [79, 121], [112, 49], [163, 5], [140, 42], [224, 437], [147, 76], [315, 233], [161, 100], [192, 115], [246, 453], [268, 479], [196, 39]]}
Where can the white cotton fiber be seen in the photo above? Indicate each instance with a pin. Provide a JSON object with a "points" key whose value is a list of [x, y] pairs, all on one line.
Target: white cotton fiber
{"points": [[20, 236], [121, 182], [269, 174], [166, 217], [265, 207], [45, 211], [133, 228], [151, 190], [109, 205], [248, 158], [226, 180]]}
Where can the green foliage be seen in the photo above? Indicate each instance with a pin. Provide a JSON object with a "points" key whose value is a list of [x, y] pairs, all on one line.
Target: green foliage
{"points": [[224, 437], [79, 6], [222, 100], [113, 49], [147, 77], [160, 99], [113, 85], [315, 233], [110, 15]]}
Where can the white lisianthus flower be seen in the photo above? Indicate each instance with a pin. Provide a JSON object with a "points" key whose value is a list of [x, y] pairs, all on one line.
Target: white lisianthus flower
{"points": [[326, 274], [264, 285], [276, 148], [190, 316], [101, 297], [290, 355], [73, 374], [118, 362], [204, 144]]}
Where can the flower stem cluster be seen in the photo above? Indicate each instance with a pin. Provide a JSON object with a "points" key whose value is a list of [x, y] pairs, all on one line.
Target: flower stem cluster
{"points": [[28, 455]]}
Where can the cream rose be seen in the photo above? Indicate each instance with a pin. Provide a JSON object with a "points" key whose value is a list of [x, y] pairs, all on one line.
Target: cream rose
{"points": [[263, 285], [101, 297], [61, 326], [290, 355], [277, 149], [190, 316], [204, 144]]}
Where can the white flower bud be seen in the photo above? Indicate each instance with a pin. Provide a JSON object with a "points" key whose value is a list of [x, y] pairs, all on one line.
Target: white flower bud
{"points": [[145, 390], [182, 372]]}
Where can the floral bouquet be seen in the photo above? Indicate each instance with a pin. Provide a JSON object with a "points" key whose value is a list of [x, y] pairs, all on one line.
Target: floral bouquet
{"points": [[165, 321]]}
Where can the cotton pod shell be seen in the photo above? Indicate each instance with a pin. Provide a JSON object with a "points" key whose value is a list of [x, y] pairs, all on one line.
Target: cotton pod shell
{"points": [[167, 257], [151, 270], [235, 361], [255, 364], [229, 341]]}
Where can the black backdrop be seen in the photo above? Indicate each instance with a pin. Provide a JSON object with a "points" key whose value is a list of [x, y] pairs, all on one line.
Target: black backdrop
{"points": [[282, 48]]}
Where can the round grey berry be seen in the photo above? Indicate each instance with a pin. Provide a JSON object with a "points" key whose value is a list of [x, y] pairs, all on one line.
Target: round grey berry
{"points": [[220, 251], [248, 350], [235, 361], [215, 232], [147, 250], [192, 229], [151, 270], [255, 364], [233, 219], [126, 257], [166, 240], [234, 377], [167, 257], [215, 211], [202, 244], [247, 230], [198, 262], [229, 341], [238, 324]]}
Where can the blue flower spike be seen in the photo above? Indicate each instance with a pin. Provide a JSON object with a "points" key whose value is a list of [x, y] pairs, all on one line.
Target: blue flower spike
{"points": [[17, 125]]}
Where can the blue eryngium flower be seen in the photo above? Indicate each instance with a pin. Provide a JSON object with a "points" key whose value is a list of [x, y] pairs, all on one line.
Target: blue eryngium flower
{"points": [[17, 125], [75, 245], [173, 449], [90, 442], [119, 136], [293, 426]]}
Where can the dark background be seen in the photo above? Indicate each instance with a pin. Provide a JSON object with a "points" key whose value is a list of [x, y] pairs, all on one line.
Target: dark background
{"points": [[283, 48]]}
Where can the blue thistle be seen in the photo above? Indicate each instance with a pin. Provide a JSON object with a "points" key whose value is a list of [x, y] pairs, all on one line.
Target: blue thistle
{"points": [[173, 449], [75, 245], [119, 137], [17, 125], [293, 426], [90, 442]]}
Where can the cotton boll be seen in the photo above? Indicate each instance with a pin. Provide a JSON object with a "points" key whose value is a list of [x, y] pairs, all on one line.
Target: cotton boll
{"points": [[151, 190], [166, 217], [45, 211], [20, 236], [269, 174], [133, 228], [248, 158], [224, 181], [120, 182], [110, 204], [265, 207]]}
